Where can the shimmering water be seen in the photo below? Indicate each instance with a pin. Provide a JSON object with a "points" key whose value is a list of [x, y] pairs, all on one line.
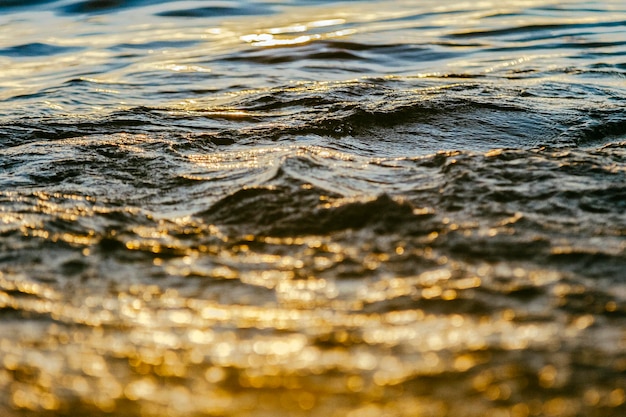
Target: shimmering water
{"points": [[312, 208]]}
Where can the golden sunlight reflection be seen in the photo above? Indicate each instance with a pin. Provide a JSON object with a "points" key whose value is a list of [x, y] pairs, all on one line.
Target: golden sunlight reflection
{"points": [[313, 327], [265, 246], [270, 39], [297, 33]]}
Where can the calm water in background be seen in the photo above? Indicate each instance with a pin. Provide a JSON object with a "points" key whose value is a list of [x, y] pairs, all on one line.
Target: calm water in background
{"points": [[312, 208]]}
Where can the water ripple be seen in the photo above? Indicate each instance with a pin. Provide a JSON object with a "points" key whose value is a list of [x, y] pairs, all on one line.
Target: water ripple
{"points": [[312, 208]]}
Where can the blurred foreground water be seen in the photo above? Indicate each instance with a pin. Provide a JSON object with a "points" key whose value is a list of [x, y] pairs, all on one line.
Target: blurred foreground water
{"points": [[312, 208]]}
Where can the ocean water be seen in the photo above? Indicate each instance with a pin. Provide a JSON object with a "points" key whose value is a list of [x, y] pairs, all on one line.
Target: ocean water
{"points": [[312, 208]]}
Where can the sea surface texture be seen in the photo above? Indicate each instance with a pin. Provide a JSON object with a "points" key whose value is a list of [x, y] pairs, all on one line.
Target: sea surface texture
{"points": [[312, 208]]}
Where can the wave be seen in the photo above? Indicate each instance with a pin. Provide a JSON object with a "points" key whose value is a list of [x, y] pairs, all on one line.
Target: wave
{"points": [[37, 49], [312, 208], [393, 116], [546, 31]]}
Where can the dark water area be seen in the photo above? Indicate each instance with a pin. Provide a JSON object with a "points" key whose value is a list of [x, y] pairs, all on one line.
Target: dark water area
{"points": [[312, 208]]}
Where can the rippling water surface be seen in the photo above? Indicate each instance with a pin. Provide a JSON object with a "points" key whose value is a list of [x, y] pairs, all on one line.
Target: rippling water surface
{"points": [[312, 208]]}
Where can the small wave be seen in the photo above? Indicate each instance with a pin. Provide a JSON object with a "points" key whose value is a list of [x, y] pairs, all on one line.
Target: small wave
{"points": [[24, 3], [105, 6], [219, 11], [597, 127], [405, 115], [336, 52], [295, 212], [37, 49], [535, 29]]}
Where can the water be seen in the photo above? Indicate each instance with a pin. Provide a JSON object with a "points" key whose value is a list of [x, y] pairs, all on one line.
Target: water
{"points": [[312, 208]]}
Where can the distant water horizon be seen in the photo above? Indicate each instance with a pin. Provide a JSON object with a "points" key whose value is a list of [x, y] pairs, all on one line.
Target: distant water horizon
{"points": [[312, 208]]}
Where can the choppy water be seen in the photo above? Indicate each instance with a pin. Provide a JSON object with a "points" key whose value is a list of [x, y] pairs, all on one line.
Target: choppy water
{"points": [[312, 208]]}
